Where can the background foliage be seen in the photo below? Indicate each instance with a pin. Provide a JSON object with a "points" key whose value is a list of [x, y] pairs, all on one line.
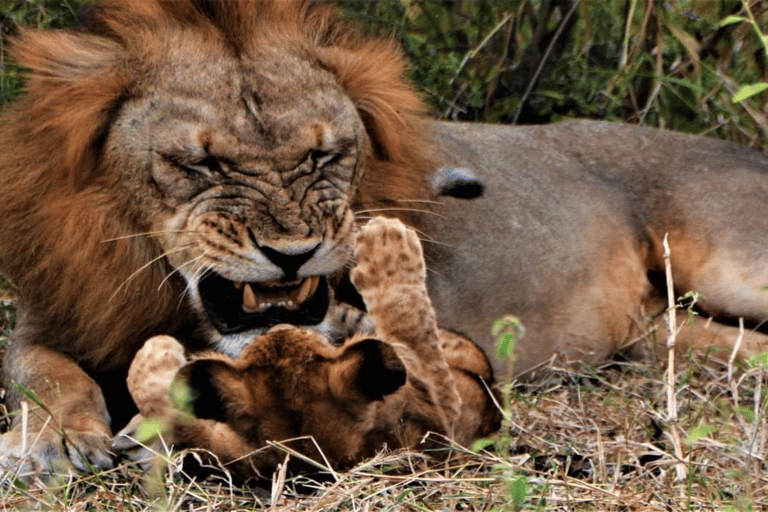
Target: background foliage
{"points": [[662, 63]]}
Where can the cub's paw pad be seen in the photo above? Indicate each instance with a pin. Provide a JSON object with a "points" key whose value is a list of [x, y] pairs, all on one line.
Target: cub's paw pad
{"points": [[388, 254]]}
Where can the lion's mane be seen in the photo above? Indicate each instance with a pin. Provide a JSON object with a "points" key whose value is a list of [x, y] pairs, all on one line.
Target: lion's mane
{"points": [[91, 282]]}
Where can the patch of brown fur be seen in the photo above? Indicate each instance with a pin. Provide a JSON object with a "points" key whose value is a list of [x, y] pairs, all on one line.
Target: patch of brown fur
{"points": [[81, 285], [291, 384], [411, 379]]}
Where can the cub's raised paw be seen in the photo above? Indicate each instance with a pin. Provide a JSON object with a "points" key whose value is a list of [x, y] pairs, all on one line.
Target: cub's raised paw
{"points": [[388, 254], [152, 372]]}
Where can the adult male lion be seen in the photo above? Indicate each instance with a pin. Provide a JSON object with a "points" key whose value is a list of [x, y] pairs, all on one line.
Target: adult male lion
{"points": [[191, 167]]}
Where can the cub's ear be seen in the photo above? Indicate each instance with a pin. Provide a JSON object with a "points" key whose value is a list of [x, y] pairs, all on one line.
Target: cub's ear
{"points": [[208, 388], [370, 368]]}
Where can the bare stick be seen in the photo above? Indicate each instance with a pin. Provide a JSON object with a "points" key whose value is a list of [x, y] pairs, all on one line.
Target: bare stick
{"points": [[680, 469], [736, 349], [24, 426], [278, 483]]}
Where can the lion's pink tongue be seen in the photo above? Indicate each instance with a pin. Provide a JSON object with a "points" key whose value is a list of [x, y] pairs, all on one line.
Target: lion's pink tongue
{"points": [[258, 298]]}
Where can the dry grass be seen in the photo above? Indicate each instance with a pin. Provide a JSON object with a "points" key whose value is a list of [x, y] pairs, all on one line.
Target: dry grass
{"points": [[595, 439]]}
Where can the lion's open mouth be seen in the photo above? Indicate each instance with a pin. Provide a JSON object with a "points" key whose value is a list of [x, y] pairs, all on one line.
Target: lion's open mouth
{"points": [[235, 306]]}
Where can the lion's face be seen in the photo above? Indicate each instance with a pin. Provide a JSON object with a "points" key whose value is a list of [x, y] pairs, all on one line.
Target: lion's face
{"points": [[251, 169], [198, 153]]}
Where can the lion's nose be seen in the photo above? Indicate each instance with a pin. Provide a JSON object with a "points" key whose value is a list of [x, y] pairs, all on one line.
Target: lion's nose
{"points": [[289, 262]]}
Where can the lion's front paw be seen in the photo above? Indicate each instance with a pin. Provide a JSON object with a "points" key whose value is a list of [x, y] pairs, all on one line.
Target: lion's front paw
{"points": [[388, 254], [48, 454]]}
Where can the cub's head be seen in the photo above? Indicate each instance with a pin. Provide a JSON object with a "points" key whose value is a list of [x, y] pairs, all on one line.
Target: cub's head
{"points": [[292, 383], [224, 147]]}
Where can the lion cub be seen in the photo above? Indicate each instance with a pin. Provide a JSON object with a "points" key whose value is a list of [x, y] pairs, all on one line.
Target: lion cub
{"points": [[347, 401]]}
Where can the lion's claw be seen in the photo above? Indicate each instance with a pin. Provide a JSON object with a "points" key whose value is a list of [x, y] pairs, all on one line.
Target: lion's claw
{"points": [[48, 454]]}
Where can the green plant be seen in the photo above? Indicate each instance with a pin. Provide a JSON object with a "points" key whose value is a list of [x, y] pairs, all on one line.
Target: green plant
{"points": [[747, 91], [673, 65]]}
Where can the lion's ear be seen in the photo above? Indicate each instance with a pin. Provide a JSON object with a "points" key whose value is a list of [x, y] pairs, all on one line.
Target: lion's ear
{"points": [[208, 388], [457, 182], [370, 369]]}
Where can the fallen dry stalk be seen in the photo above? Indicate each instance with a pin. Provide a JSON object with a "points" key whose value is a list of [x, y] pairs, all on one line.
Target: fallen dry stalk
{"points": [[672, 419], [736, 349]]}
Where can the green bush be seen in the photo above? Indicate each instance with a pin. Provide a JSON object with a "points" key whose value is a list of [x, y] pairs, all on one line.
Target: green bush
{"points": [[669, 64], [661, 63]]}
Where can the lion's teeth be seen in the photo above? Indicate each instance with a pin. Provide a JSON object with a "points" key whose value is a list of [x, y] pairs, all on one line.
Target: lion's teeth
{"points": [[250, 305], [303, 292], [315, 283], [282, 297]]}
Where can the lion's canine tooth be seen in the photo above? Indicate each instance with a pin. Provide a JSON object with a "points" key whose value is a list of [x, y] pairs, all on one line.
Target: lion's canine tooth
{"points": [[303, 292], [250, 305], [315, 282]]}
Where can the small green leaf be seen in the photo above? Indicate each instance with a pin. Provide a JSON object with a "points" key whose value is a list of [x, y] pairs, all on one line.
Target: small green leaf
{"points": [[181, 395], [699, 432], [747, 91], [149, 429], [481, 444], [506, 346], [31, 395], [759, 360], [20, 484], [519, 490], [729, 20], [507, 331]]}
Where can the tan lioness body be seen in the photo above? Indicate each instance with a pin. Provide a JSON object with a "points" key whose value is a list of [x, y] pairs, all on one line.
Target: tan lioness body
{"points": [[197, 169], [569, 232]]}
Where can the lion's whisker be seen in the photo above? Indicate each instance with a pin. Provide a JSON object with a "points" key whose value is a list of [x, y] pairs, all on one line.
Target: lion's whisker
{"points": [[147, 234], [198, 275], [178, 269], [423, 237], [414, 210], [418, 201], [147, 265], [435, 242]]}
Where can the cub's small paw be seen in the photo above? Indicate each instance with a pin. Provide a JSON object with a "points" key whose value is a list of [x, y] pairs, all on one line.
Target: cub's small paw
{"points": [[152, 372], [388, 254], [49, 454]]}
